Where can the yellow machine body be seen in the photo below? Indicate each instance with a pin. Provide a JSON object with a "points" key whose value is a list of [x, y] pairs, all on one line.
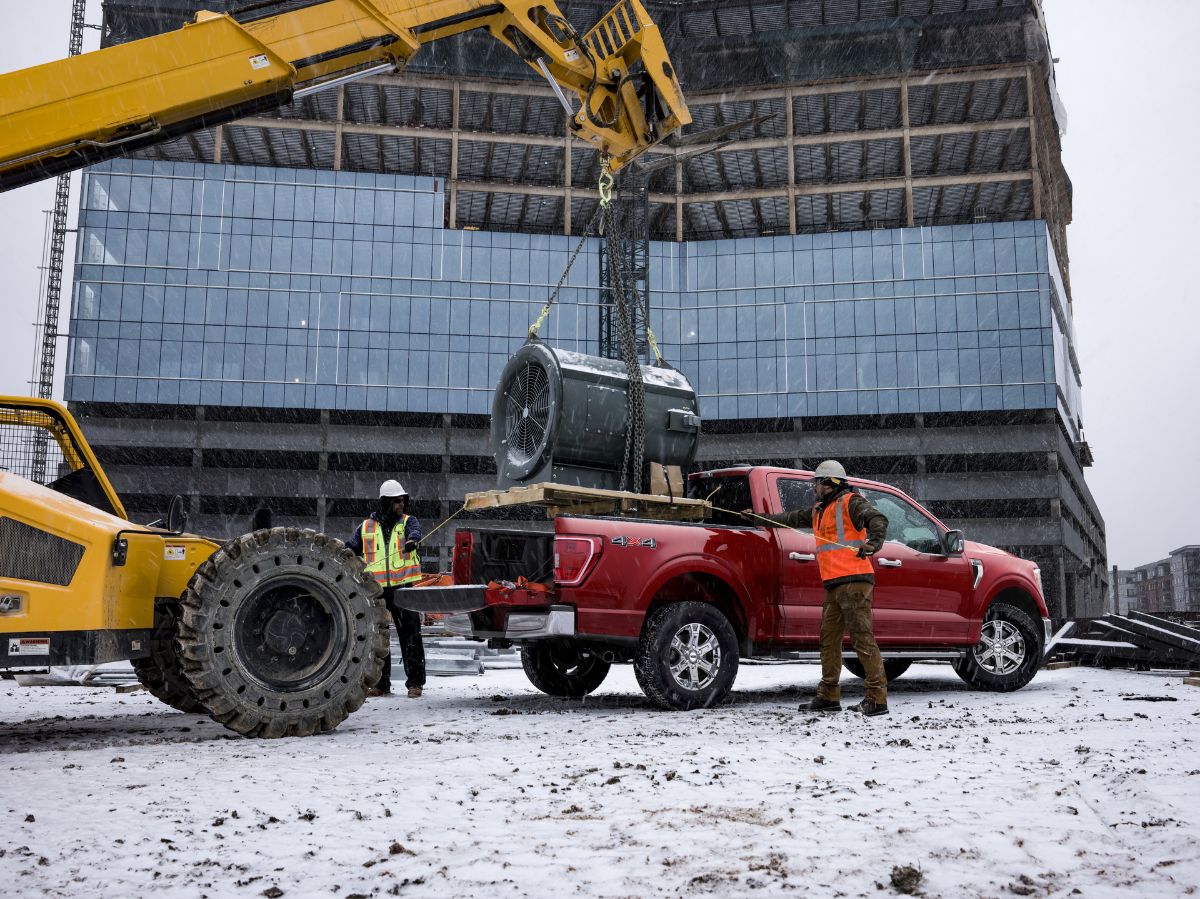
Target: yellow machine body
{"points": [[70, 591], [83, 109]]}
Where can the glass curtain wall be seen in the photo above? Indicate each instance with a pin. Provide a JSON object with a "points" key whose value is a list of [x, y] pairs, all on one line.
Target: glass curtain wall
{"points": [[255, 286]]}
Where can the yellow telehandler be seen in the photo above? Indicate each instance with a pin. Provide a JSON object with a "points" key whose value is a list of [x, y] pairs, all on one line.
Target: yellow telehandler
{"points": [[279, 632]]}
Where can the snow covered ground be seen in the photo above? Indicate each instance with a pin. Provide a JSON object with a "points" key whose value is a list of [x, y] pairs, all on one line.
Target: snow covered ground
{"points": [[488, 788]]}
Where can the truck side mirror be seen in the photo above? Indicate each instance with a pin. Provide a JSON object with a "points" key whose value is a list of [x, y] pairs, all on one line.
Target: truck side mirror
{"points": [[953, 543], [177, 517]]}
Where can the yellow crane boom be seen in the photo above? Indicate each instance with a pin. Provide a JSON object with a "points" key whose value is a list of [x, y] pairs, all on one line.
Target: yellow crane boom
{"points": [[66, 114]]}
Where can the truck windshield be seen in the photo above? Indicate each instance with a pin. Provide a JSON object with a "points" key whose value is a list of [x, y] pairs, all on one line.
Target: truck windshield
{"points": [[729, 494]]}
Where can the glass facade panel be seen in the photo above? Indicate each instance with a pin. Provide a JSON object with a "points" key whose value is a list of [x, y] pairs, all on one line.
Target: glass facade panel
{"points": [[242, 285]]}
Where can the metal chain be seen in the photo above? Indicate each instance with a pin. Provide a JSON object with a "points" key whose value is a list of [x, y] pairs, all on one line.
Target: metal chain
{"points": [[635, 433], [606, 182], [633, 464]]}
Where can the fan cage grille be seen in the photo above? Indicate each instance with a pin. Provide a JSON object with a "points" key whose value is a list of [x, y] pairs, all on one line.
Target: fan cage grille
{"points": [[527, 413]]}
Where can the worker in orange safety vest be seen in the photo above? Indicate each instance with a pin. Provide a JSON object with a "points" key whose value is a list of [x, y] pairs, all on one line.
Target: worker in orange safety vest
{"points": [[848, 531]]}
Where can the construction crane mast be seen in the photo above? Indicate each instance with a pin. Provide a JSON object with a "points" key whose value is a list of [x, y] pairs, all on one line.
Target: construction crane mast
{"points": [[47, 326]]}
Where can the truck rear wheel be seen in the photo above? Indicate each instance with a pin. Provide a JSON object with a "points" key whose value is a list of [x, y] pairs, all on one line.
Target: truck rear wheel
{"points": [[559, 668], [687, 657], [892, 668], [1008, 653], [160, 672], [283, 633]]}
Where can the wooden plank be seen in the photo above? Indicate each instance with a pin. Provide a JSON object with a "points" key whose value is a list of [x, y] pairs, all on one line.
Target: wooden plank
{"points": [[562, 499], [128, 688], [1192, 681], [1056, 666]]}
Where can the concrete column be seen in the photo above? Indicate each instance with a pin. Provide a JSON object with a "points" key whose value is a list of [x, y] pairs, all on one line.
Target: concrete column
{"points": [[337, 130], [567, 180], [1034, 167], [197, 465], [678, 198], [218, 143], [453, 185], [907, 150], [791, 159], [322, 468]]}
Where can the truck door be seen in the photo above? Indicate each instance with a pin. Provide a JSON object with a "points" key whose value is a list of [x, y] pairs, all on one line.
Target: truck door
{"points": [[921, 595], [801, 592]]}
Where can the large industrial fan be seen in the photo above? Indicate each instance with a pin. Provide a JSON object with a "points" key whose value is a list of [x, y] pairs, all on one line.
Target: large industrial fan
{"points": [[561, 417]]}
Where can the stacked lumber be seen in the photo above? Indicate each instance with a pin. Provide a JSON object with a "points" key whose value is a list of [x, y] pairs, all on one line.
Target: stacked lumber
{"points": [[564, 499]]}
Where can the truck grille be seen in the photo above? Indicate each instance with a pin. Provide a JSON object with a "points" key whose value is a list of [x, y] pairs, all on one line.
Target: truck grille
{"points": [[29, 554]]}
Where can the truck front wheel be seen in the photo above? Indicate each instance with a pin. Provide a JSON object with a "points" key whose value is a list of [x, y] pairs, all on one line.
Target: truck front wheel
{"points": [[283, 633], [687, 657], [560, 668], [1008, 653]]}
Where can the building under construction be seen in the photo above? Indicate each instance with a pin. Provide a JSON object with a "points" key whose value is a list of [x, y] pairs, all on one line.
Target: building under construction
{"points": [[283, 311]]}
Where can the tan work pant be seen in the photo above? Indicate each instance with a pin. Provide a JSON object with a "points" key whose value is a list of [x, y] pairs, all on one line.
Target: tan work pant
{"points": [[848, 607]]}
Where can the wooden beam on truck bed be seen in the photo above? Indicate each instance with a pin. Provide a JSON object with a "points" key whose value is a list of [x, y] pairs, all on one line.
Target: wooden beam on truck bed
{"points": [[564, 499]]}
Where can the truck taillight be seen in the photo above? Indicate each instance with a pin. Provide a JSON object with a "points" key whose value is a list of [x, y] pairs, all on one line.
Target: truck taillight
{"points": [[460, 567], [574, 558]]}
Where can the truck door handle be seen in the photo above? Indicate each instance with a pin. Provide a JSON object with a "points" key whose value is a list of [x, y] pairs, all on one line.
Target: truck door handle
{"points": [[802, 557], [891, 563]]}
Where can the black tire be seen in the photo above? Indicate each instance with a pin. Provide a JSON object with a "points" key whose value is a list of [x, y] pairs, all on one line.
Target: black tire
{"points": [[656, 655], [283, 633], [559, 668], [892, 668], [161, 672], [1012, 669]]}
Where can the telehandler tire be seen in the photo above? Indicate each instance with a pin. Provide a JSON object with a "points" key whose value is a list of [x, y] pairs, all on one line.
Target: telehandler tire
{"points": [[160, 672], [283, 633]]}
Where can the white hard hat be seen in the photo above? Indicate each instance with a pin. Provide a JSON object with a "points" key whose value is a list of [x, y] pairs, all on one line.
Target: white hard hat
{"points": [[391, 488], [830, 468]]}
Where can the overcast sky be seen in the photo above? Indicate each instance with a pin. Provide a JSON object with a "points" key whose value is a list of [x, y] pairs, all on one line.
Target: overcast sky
{"points": [[1129, 79]]}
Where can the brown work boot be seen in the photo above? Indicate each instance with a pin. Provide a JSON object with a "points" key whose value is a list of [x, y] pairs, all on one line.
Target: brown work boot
{"points": [[378, 691], [870, 708], [414, 692], [817, 704]]}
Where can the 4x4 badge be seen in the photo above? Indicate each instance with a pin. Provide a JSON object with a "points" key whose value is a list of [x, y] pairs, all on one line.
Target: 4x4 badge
{"points": [[647, 542]]}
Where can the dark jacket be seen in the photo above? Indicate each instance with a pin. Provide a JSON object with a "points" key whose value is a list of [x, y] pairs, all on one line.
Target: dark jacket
{"points": [[862, 515], [412, 532]]}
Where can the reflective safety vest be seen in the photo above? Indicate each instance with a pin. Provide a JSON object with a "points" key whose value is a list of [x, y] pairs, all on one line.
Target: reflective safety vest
{"points": [[838, 541], [389, 565]]}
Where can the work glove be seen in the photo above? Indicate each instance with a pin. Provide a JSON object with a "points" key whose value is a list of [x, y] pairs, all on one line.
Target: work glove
{"points": [[866, 550], [410, 547]]}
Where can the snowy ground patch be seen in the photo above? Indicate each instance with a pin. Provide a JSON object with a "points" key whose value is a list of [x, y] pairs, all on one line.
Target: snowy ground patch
{"points": [[486, 787]]}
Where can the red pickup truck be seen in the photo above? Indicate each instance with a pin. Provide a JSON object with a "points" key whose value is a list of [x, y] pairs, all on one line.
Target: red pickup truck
{"points": [[683, 602]]}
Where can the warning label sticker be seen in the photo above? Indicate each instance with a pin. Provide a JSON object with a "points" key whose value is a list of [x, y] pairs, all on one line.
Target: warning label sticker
{"points": [[173, 553], [259, 62], [29, 646]]}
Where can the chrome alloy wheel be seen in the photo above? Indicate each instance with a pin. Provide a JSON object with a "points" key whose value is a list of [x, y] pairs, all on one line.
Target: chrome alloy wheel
{"points": [[1001, 648], [695, 656]]}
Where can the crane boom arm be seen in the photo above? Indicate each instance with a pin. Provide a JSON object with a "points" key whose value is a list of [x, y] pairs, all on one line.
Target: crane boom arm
{"points": [[76, 111]]}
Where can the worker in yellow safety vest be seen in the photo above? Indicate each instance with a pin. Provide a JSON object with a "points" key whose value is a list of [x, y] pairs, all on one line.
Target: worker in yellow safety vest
{"points": [[387, 542]]}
